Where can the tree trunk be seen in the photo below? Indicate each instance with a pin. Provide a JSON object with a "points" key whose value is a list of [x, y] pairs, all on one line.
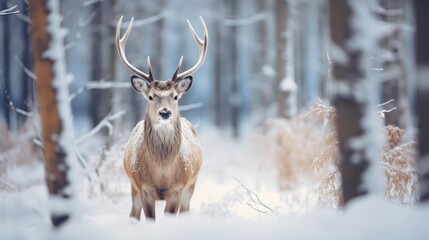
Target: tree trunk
{"points": [[235, 93], [217, 83], [261, 59], [354, 103], [158, 67], [54, 108], [6, 64], [285, 85], [394, 75], [281, 18], [101, 100], [422, 40]]}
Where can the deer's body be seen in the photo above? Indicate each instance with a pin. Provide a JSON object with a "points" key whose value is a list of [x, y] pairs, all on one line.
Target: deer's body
{"points": [[163, 155], [164, 166]]}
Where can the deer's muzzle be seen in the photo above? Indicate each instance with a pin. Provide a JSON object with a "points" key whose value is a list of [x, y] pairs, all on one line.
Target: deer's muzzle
{"points": [[165, 114]]}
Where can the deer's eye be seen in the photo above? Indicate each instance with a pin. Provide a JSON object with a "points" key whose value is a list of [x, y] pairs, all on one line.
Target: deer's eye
{"points": [[150, 98], [175, 97]]}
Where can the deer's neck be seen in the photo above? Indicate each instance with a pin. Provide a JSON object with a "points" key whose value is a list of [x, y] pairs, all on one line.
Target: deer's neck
{"points": [[163, 140]]}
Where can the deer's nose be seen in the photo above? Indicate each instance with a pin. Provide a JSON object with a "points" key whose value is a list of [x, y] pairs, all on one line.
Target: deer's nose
{"points": [[165, 114]]}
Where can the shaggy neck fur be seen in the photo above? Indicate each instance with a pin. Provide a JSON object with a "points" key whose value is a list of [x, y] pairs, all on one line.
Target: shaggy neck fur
{"points": [[163, 140]]}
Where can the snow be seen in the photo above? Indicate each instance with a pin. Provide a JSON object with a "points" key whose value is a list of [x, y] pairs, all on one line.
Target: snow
{"points": [[225, 206]]}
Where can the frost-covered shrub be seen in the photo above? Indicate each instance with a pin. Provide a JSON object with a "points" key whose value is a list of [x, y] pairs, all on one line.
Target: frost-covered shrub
{"points": [[105, 174], [308, 145]]}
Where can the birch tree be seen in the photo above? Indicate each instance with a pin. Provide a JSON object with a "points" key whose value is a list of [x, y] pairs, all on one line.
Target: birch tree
{"points": [[422, 58], [354, 97], [47, 39]]}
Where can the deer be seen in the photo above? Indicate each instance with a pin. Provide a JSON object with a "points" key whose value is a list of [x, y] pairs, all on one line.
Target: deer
{"points": [[163, 155]]}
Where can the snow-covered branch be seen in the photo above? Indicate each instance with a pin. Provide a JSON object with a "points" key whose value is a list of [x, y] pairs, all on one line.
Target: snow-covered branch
{"points": [[9, 11], [91, 2], [190, 106], [98, 85], [106, 122], [385, 103], [382, 112], [246, 21], [143, 22], [84, 22]]}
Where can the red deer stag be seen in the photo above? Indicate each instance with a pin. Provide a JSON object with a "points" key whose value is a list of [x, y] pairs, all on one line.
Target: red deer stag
{"points": [[163, 155]]}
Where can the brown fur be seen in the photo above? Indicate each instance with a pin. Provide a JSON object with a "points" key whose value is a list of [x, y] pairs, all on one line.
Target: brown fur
{"points": [[162, 160]]}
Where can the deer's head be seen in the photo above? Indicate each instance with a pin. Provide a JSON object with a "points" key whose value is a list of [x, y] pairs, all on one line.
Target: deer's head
{"points": [[162, 95]]}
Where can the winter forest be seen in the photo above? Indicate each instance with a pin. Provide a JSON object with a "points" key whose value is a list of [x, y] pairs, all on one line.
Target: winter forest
{"points": [[253, 119]]}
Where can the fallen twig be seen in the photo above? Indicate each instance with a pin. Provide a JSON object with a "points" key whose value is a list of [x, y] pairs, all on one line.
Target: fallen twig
{"points": [[255, 202]]}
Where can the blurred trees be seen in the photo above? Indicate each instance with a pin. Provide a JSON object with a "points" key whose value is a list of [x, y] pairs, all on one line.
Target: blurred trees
{"points": [[16, 85], [235, 91], [235, 97], [254, 47], [103, 57], [283, 36], [354, 98], [396, 52], [422, 58]]}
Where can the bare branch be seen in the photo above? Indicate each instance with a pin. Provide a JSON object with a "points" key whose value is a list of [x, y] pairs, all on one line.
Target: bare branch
{"points": [[385, 103], [383, 111], [11, 105], [105, 122], [261, 16], [25, 69], [84, 22], [82, 160], [143, 22], [9, 11], [90, 2]]}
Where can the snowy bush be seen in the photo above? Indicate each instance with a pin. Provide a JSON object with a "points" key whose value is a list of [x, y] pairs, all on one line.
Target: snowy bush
{"points": [[307, 146]]}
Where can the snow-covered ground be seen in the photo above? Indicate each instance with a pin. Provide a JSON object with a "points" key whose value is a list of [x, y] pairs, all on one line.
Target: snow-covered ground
{"points": [[236, 197]]}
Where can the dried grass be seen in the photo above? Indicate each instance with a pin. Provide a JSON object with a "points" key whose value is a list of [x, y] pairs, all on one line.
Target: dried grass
{"points": [[400, 173], [308, 146], [295, 151]]}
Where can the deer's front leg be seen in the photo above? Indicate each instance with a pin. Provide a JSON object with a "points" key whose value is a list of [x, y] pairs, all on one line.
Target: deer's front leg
{"points": [[148, 206], [186, 198], [173, 203], [136, 208]]}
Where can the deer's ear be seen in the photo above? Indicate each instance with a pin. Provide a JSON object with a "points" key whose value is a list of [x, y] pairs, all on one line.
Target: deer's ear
{"points": [[184, 84], [139, 84]]}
